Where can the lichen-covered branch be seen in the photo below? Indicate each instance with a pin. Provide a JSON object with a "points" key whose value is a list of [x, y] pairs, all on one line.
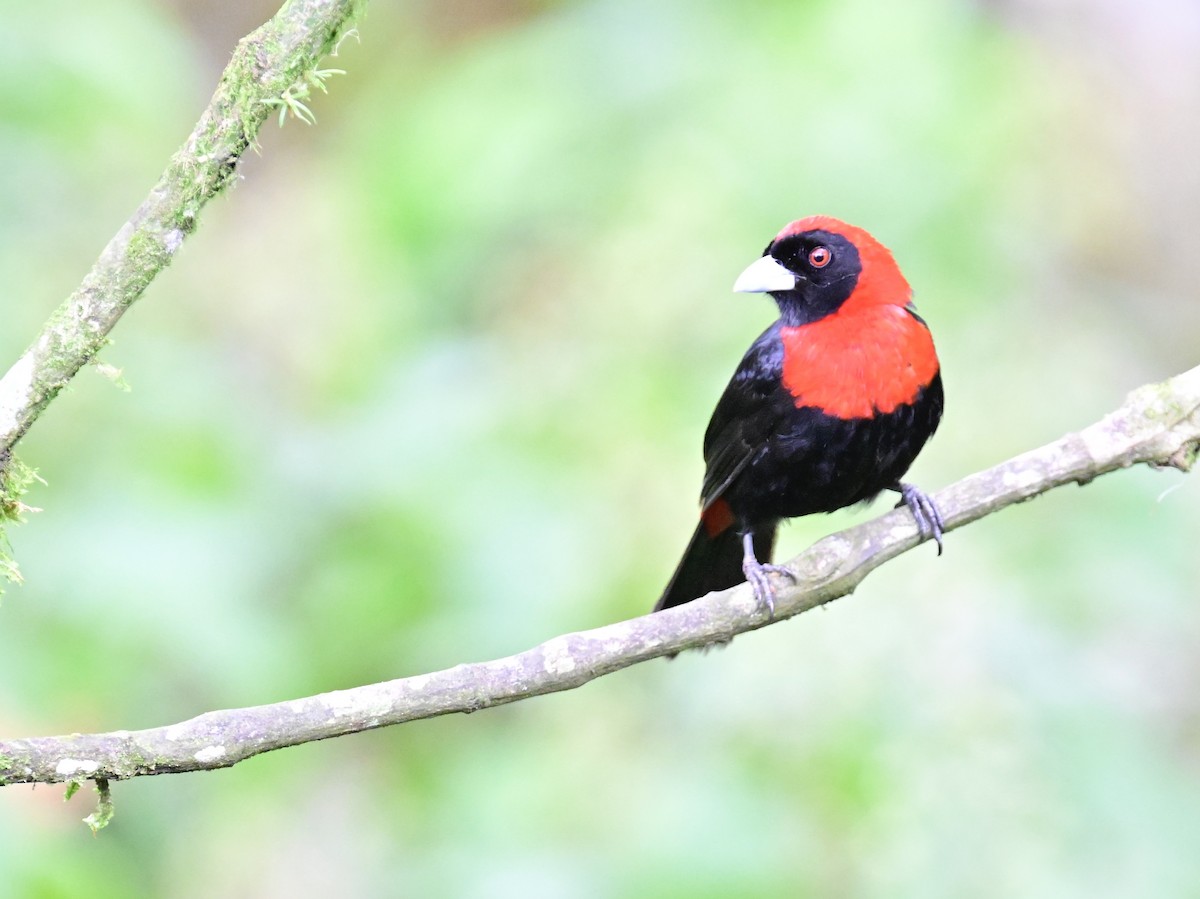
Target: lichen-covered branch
{"points": [[1158, 425], [271, 69]]}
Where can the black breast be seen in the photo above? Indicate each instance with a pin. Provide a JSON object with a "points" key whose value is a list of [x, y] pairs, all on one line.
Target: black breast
{"points": [[814, 462]]}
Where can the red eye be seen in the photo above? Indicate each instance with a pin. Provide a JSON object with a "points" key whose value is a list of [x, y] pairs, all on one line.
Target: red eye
{"points": [[819, 257]]}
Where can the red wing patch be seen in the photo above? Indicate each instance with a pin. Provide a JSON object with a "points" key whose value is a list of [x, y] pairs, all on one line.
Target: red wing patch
{"points": [[716, 518], [858, 361]]}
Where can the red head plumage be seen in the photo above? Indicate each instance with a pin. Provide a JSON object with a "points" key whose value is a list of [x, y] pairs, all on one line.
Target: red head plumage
{"points": [[880, 282]]}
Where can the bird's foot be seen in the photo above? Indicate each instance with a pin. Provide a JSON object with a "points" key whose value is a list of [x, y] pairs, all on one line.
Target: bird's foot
{"points": [[928, 516], [758, 575]]}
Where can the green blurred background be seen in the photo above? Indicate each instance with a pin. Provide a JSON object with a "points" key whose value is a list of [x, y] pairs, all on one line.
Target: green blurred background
{"points": [[429, 385]]}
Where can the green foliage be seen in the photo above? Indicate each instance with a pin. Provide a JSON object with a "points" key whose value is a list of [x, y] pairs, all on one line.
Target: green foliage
{"points": [[103, 815], [292, 99], [15, 480], [112, 374]]}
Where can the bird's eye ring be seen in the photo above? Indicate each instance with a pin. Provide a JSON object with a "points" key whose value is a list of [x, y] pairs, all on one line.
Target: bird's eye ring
{"points": [[819, 257]]}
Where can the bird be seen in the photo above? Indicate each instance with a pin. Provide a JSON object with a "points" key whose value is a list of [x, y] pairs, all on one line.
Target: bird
{"points": [[828, 408]]}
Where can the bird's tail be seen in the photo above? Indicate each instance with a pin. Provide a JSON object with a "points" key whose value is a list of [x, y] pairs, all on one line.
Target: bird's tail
{"points": [[713, 562]]}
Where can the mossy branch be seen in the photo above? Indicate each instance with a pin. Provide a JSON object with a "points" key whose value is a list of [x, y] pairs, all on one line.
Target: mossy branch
{"points": [[1157, 425], [275, 64]]}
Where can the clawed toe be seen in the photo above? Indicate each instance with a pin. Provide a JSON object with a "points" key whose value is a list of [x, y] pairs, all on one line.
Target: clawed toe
{"points": [[758, 578], [925, 511], [758, 575]]}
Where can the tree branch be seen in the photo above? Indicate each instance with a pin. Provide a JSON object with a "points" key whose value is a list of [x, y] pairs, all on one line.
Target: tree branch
{"points": [[1158, 424], [273, 68]]}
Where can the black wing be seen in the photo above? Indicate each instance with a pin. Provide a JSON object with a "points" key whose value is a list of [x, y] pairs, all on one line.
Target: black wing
{"points": [[747, 414]]}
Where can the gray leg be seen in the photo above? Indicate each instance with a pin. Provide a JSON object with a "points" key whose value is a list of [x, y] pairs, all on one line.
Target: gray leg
{"points": [[924, 510], [758, 574]]}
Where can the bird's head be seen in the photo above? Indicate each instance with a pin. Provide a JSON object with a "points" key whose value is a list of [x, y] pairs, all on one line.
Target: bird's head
{"points": [[819, 265]]}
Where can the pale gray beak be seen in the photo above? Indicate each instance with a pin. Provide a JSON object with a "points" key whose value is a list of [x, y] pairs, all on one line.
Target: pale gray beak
{"points": [[764, 275]]}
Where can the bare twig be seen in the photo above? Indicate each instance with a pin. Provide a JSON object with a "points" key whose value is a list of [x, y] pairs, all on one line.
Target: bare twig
{"points": [[1158, 424], [274, 65]]}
